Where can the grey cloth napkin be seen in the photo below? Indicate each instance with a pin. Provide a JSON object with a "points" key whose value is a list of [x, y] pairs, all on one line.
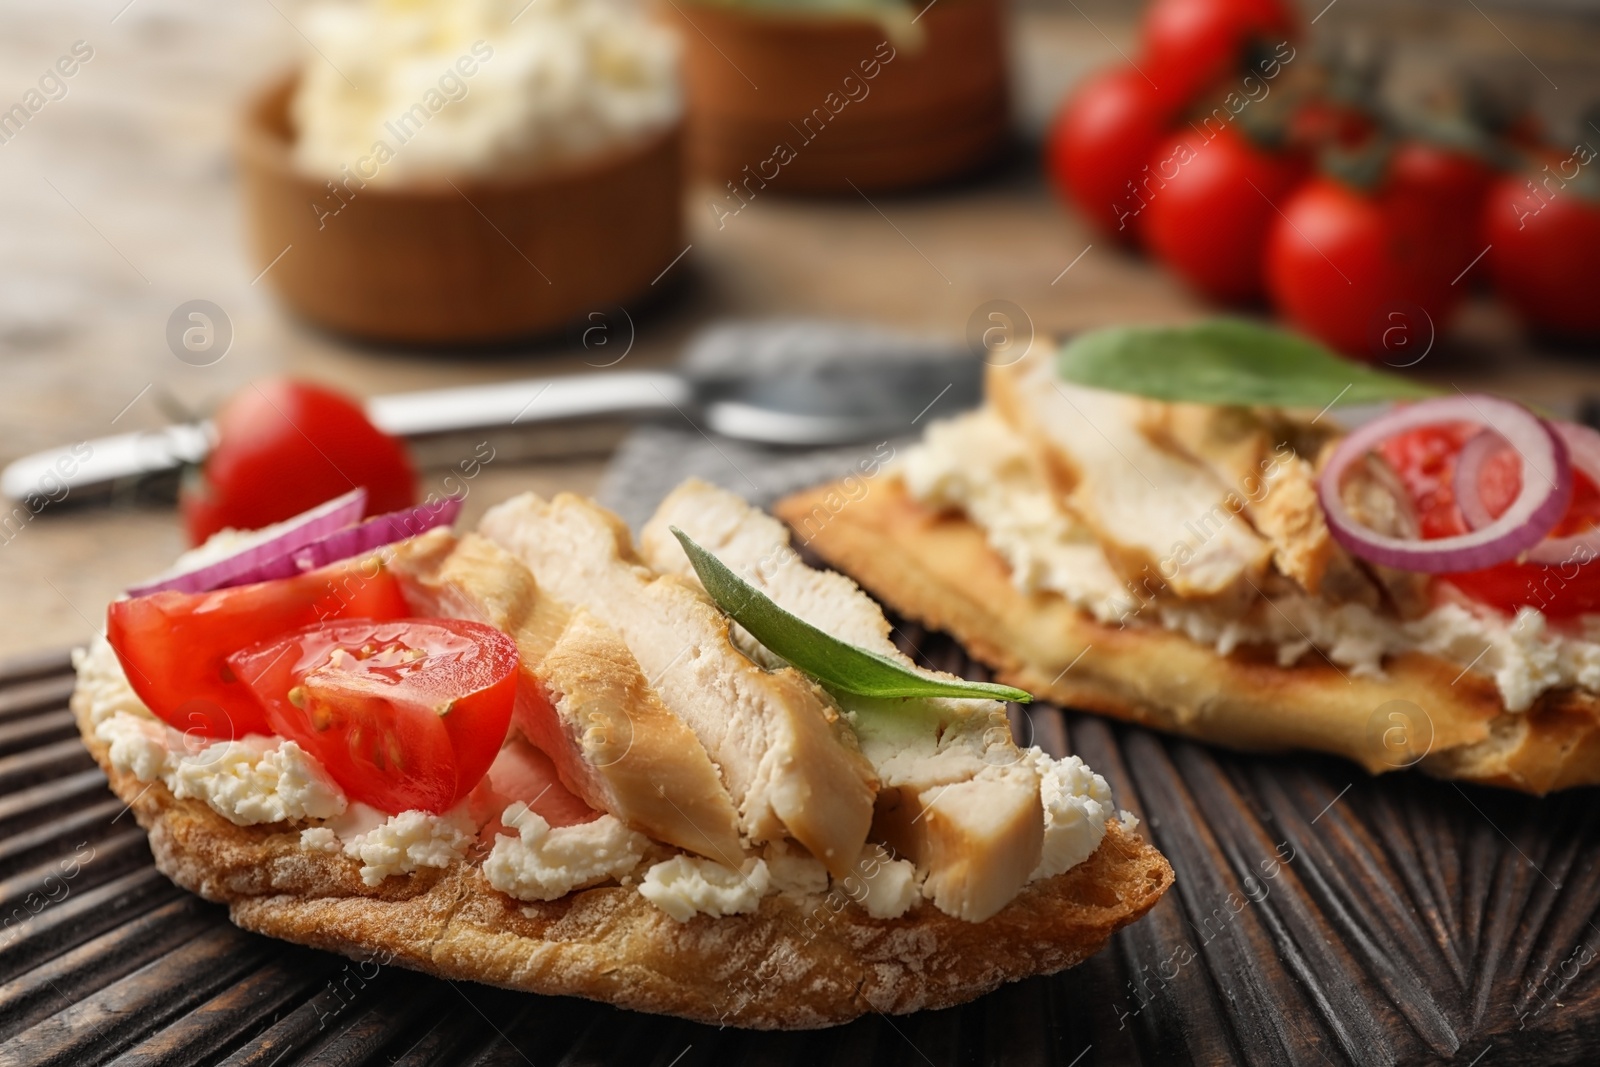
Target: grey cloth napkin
{"points": [[657, 456]]}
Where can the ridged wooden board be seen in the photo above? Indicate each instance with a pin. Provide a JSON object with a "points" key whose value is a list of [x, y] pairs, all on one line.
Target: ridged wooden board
{"points": [[1320, 917]]}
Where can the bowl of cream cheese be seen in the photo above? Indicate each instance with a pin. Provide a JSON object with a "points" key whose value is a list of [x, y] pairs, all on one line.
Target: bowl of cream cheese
{"points": [[466, 171]]}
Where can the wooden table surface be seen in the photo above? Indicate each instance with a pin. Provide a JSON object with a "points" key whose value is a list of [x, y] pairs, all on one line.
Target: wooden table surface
{"points": [[118, 203]]}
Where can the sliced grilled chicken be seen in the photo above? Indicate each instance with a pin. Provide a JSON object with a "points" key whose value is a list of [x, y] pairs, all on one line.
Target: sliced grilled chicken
{"points": [[956, 796], [789, 760], [1161, 518], [582, 699], [1254, 453]]}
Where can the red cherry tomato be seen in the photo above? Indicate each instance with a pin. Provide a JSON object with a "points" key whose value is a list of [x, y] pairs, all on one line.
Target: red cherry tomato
{"points": [[174, 646], [1545, 250], [1426, 461], [285, 446], [1099, 144], [1188, 44], [404, 715], [1447, 187], [1359, 271], [1209, 220]]}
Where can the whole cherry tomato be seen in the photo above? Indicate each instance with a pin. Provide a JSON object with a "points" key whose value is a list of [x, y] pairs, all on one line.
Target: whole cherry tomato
{"points": [[1359, 271], [1448, 186], [1210, 216], [404, 714], [1188, 44], [284, 446], [1099, 144], [1544, 236]]}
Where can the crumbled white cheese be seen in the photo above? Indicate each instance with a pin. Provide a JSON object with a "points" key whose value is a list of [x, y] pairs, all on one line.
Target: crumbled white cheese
{"points": [[402, 843], [103, 684], [884, 886], [541, 863], [140, 744], [1077, 803], [256, 780], [1129, 821], [686, 886], [794, 870], [252, 780], [977, 464], [401, 90], [320, 839]]}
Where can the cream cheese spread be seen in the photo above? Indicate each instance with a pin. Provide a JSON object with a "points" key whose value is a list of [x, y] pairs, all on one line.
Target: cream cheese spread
{"points": [[542, 863], [1077, 803], [686, 886], [247, 781], [400, 90], [978, 465]]}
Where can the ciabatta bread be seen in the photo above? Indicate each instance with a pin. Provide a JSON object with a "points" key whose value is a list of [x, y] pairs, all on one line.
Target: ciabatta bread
{"points": [[938, 567]]}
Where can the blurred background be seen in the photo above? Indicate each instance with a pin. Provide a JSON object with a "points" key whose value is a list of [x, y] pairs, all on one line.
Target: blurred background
{"points": [[120, 203]]}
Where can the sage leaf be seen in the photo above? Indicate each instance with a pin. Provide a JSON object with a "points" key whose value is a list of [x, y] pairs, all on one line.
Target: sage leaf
{"points": [[1226, 361], [839, 667]]}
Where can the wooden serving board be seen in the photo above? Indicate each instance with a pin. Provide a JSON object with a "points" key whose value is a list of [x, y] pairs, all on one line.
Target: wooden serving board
{"points": [[1320, 917]]}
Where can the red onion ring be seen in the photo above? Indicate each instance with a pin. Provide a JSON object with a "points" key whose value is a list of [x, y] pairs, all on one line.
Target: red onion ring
{"points": [[1583, 446], [1469, 473], [292, 534], [1546, 488]]}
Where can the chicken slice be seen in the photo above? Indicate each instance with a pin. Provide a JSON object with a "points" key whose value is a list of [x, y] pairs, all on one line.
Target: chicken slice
{"points": [[1254, 453], [956, 797], [787, 757], [1160, 517], [582, 699]]}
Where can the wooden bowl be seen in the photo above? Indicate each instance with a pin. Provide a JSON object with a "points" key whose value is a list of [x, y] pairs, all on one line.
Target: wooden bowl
{"points": [[476, 261], [761, 80]]}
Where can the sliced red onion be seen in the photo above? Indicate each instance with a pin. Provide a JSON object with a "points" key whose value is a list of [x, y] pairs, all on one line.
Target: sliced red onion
{"points": [[1583, 446], [360, 540], [1546, 488], [1469, 476], [284, 538]]}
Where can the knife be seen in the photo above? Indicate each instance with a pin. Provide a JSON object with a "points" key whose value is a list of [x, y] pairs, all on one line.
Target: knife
{"points": [[807, 404]]}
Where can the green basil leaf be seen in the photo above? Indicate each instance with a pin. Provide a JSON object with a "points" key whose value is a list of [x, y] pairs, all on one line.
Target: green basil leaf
{"points": [[1226, 361], [839, 667]]}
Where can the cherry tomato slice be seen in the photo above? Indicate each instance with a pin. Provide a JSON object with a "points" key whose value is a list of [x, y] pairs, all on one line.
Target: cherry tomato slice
{"points": [[1425, 459], [404, 715], [173, 646]]}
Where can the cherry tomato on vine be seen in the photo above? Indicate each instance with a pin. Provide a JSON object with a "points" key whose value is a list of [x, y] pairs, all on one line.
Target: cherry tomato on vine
{"points": [[284, 446], [1210, 216], [1448, 186], [1353, 268], [404, 715], [1099, 143], [1188, 44], [1544, 255]]}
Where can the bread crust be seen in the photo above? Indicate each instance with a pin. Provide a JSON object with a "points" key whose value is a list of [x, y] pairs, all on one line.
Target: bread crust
{"points": [[799, 962], [938, 568]]}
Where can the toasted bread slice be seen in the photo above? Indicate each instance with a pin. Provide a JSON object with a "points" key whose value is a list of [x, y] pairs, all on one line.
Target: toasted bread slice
{"points": [[790, 763], [800, 961], [939, 569], [956, 795], [582, 698]]}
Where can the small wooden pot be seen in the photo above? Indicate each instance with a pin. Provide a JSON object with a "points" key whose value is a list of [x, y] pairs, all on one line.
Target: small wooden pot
{"points": [[814, 104], [477, 261]]}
